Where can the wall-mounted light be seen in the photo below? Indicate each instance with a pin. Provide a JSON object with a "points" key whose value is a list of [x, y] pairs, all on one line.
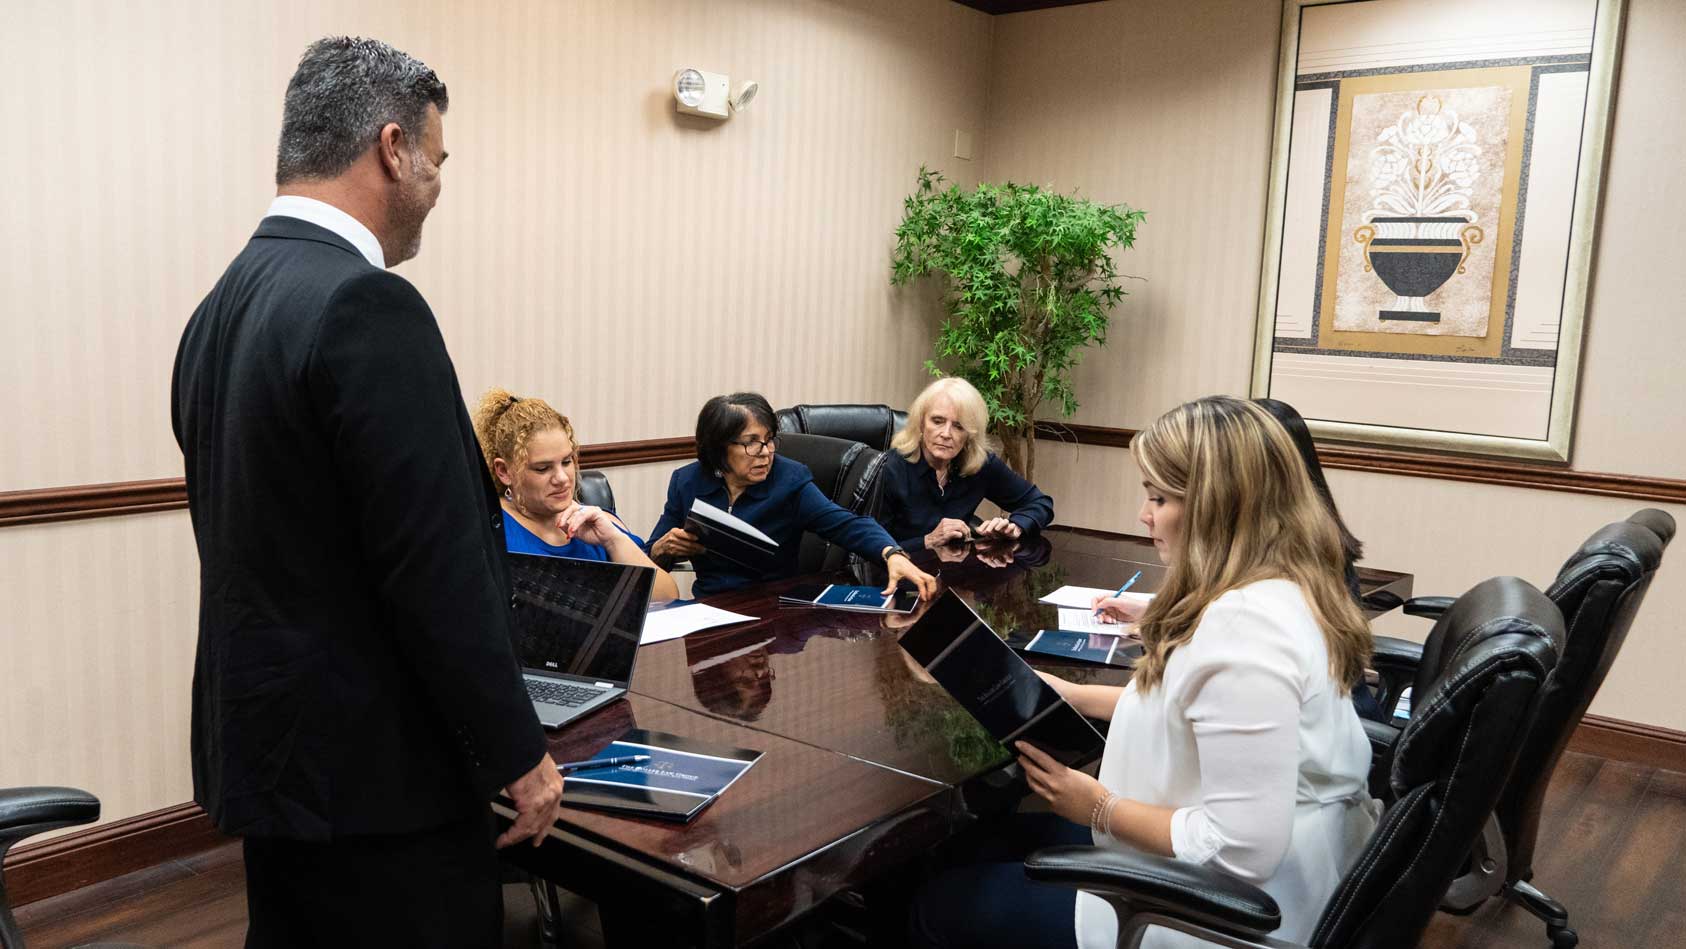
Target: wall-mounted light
{"points": [[711, 95]]}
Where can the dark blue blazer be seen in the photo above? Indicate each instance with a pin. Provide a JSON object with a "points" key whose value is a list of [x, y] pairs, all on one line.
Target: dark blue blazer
{"points": [[782, 507], [913, 504]]}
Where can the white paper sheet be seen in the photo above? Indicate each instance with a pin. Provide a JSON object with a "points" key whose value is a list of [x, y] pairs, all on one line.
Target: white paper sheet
{"points": [[674, 622], [1079, 598], [1085, 621]]}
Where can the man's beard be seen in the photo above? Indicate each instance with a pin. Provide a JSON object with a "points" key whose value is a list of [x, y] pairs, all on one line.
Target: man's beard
{"points": [[404, 223]]}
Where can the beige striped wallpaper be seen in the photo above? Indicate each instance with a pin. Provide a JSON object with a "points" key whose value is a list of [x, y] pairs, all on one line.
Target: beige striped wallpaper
{"points": [[590, 246], [1166, 105]]}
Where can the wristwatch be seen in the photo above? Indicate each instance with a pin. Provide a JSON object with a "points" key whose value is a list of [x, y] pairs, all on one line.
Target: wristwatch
{"points": [[891, 552]]}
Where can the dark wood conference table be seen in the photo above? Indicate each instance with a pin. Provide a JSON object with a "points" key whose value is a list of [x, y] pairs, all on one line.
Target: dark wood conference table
{"points": [[868, 764]]}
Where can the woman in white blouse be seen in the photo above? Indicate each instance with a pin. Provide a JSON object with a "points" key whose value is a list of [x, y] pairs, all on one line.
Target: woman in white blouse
{"points": [[1235, 744]]}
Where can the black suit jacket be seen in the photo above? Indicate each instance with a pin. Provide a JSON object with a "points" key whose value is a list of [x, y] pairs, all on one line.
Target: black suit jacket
{"points": [[355, 673]]}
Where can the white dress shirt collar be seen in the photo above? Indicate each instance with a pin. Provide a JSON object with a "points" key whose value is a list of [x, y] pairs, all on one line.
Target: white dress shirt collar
{"points": [[323, 214]]}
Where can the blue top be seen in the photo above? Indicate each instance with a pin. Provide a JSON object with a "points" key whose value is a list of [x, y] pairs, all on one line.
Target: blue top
{"points": [[519, 540], [913, 503], [782, 507]]}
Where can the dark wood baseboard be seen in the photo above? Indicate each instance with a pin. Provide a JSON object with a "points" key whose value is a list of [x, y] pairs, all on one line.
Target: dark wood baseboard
{"points": [[1649, 745], [37, 871], [77, 502], [1417, 464]]}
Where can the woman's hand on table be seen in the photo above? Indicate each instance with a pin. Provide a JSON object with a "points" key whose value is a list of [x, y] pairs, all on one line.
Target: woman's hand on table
{"points": [[901, 568]]}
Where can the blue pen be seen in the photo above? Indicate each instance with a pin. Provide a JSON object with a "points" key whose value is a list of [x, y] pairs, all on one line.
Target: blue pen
{"points": [[1121, 590], [602, 763]]}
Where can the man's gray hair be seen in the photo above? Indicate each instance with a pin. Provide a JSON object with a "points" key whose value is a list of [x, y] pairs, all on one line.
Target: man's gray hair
{"points": [[345, 91]]}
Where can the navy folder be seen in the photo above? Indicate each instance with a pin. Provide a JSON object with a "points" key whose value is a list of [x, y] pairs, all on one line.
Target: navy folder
{"points": [[682, 777]]}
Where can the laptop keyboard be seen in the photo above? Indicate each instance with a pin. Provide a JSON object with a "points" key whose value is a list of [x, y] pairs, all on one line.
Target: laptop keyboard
{"points": [[560, 693]]}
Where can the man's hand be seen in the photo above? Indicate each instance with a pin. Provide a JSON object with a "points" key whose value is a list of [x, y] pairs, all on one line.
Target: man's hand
{"points": [[902, 568], [948, 531], [538, 801]]}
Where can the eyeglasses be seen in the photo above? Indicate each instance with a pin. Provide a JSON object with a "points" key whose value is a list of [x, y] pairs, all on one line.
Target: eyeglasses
{"points": [[755, 447]]}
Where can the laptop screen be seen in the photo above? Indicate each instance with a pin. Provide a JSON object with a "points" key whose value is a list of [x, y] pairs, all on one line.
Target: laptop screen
{"points": [[579, 617]]}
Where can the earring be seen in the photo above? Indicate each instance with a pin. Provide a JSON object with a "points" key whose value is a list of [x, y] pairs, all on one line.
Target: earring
{"points": [[508, 495]]}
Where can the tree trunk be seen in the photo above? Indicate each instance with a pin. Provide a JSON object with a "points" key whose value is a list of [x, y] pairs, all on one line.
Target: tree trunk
{"points": [[1018, 450]]}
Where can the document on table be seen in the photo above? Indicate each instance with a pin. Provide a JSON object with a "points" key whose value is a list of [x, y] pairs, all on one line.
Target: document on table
{"points": [[1081, 597], [676, 621], [1085, 621]]}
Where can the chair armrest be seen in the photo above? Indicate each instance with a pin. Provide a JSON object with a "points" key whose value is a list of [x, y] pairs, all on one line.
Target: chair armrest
{"points": [[1430, 606], [1394, 656], [25, 812], [1162, 885], [1381, 735]]}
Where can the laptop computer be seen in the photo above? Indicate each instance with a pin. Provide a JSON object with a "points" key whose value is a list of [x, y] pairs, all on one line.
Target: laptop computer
{"points": [[577, 626]]}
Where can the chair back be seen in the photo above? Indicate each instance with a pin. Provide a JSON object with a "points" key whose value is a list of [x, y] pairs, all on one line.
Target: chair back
{"points": [[1598, 591], [872, 425], [25, 812], [593, 489], [1483, 669], [845, 471]]}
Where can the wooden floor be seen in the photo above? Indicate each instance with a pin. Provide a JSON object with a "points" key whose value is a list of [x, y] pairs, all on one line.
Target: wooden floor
{"points": [[1614, 852]]}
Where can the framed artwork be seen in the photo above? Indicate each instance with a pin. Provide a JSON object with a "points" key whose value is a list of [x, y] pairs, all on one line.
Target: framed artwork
{"points": [[1434, 194]]}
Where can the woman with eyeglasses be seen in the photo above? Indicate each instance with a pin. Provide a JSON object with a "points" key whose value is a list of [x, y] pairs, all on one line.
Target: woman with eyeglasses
{"points": [[738, 470]]}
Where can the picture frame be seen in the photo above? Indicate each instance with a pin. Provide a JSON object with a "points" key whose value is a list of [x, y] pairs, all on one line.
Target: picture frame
{"points": [[1435, 180]]}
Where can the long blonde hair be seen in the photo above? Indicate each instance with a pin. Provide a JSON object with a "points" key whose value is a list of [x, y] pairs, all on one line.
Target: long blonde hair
{"points": [[973, 418], [505, 423], [1250, 513]]}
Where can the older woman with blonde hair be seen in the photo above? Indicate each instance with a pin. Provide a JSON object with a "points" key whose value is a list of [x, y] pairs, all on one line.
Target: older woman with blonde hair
{"points": [[1235, 744], [531, 452], [940, 468]]}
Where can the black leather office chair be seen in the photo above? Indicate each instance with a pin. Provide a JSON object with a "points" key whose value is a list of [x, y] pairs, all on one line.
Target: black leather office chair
{"points": [[1479, 684], [1598, 590], [848, 473], [871, 425], [25, 812], [593, 489]]}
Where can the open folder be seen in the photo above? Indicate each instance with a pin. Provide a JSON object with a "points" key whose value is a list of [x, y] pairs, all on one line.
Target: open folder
{"points": [[731, 537], [995, 684]]}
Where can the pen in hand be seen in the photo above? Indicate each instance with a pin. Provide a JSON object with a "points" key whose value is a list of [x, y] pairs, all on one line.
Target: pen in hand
{"points": [[567, 766], [1121, 590]]}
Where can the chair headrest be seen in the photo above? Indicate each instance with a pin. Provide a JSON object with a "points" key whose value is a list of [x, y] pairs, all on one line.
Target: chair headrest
{"points": [[1657, 521], [1623, 552], [827, 458], [1501, 626], [868, 424]]}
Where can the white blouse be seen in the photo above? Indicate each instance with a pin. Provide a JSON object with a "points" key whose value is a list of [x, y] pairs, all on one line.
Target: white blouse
{"points": [[1262, 756]]}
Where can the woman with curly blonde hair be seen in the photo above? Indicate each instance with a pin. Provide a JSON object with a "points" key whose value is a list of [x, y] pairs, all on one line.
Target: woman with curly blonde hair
{"points": [[531, 451], [1235, 744]]}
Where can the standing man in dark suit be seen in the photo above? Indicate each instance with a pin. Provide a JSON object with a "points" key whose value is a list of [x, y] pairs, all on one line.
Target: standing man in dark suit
{"points": [[356, 700]]}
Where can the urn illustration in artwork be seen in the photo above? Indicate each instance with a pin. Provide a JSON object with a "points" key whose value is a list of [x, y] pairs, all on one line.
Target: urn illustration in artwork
{"points": [[1420, 229]]}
